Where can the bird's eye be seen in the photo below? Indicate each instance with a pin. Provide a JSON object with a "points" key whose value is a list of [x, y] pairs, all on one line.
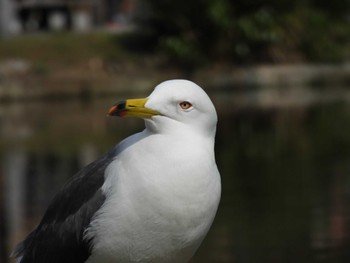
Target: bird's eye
{"points": [[185, 105]]}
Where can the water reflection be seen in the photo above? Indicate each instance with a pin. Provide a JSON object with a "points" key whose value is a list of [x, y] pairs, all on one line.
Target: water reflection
{"points": [[285, 171]]}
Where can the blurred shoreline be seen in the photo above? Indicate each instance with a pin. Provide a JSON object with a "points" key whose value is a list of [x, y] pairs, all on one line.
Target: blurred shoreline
{"points": [[62, 66], [95, 78]]}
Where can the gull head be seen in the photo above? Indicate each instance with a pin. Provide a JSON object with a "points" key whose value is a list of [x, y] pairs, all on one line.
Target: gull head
{"points": [[173, 106]]}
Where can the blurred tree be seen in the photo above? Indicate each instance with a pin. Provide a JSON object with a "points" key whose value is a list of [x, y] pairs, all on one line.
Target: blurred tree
{"points": [[247, 31]]}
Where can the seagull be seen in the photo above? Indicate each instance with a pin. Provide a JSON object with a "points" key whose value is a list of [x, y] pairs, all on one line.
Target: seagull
{"points": [[152, 198]]}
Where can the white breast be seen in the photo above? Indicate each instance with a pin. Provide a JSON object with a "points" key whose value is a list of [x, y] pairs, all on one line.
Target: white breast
{"points": [[152, 213]]}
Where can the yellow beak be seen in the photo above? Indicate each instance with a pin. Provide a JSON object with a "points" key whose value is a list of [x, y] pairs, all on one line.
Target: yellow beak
{"points": [[132, 108]]}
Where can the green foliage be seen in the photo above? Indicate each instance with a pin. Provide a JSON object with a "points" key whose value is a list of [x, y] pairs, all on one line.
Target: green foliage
{"points": [[246, 31], [323, 39]]}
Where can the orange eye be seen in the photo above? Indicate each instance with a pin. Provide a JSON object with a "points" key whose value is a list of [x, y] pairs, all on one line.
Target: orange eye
{"points": [[185, 105]]}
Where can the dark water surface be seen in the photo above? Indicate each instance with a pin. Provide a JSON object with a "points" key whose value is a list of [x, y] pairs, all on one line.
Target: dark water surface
{"points": [[284, 158]]}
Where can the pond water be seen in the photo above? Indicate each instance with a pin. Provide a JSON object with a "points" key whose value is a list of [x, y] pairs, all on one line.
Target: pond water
{"points": [[284, 157]]}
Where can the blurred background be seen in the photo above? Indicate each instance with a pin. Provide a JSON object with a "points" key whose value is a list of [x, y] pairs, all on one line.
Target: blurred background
{"points": [[277, 71]]}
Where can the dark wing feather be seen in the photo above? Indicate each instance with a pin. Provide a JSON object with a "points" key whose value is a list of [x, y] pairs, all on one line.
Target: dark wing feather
{"points": [[59, 236]]}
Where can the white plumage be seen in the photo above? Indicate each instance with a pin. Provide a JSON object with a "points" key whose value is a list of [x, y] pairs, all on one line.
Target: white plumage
{"points": [[163, 189]]}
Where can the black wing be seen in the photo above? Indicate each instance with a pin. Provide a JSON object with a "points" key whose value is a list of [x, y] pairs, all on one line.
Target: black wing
{"points": [[59, 236]]}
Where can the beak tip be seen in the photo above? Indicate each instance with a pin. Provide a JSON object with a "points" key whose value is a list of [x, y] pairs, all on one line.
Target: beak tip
{"points": [[112, 111]]}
